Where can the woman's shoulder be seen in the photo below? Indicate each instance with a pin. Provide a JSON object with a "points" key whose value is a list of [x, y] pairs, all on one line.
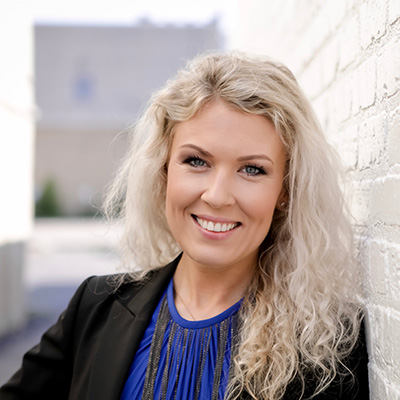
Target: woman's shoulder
{"points": [[124, 286], [115, 283], [118, 285]]}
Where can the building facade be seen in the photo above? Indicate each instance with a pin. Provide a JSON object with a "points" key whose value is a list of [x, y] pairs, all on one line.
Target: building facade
{"points": [[91, 83]]}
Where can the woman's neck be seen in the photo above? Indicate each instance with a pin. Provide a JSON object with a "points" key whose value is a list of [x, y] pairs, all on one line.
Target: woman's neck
{"points": [[202, 292]]}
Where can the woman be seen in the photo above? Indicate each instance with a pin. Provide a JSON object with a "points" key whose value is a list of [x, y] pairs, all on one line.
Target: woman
{"points": [[230, 176]]}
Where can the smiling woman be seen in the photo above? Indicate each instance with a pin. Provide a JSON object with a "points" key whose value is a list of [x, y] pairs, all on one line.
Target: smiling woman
{"points": [[231, 183]]}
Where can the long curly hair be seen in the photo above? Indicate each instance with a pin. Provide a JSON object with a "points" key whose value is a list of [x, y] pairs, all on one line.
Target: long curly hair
{"points": [[300, 313]]}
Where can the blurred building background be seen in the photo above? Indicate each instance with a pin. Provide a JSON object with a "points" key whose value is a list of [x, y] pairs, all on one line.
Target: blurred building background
{"points": [[16, 159], [91, 82], [67, 94]]}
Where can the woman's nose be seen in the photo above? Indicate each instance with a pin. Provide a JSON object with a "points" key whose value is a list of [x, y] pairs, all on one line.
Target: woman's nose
{"points": [[219, 191]]}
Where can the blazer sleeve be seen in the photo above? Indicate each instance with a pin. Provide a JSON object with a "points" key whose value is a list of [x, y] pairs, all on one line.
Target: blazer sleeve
{"points": [[355, 386], [46, 368], [347, 386]]}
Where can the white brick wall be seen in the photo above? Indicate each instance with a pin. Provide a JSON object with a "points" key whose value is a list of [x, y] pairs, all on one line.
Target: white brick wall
{"points": [[346, 54]]}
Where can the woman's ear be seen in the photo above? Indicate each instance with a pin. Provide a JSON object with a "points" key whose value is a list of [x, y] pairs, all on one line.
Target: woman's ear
{"points": [[282, 202]]}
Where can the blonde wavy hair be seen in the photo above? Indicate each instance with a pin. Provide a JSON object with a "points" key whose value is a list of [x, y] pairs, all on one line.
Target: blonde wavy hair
{"points": [[300, 314]]}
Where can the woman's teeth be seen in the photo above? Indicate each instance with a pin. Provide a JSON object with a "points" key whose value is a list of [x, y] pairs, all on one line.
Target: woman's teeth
{"points": [[215, 227]]}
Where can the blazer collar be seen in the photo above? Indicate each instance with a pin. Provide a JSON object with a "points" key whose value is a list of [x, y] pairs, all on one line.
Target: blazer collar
{"points": [[146, 298], [123, 331]]}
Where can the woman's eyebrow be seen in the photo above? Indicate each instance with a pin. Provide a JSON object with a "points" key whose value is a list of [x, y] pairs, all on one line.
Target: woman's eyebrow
{"points": [[255, 156], [244, 158], [199, 149]]}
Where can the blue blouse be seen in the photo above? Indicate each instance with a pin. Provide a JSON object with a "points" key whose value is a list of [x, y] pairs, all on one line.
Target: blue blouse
{"points": [[192, 356]]}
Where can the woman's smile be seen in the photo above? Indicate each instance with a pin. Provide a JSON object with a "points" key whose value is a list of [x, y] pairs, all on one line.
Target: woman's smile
{"points": [[215, 225], [216, 229], [224, 180]]}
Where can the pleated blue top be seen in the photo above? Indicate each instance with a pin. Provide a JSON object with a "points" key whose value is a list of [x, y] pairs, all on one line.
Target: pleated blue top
{"points": [[187, 365]]}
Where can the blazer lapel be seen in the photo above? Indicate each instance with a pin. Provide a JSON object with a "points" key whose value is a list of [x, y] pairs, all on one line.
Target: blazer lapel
{"points": [[122, 333]]}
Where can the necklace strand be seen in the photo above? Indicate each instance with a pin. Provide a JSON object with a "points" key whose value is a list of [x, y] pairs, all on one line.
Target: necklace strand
{"points": [[184, 304]]}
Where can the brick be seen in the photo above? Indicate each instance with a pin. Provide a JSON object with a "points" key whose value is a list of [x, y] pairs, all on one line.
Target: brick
{"points": [[360, 201], [347, 146], [363, 85], [363, 258], [371, 142], [393, 11], [392, 344], [384, 325], [341, 98], [378, 271], [329, 62], [321, 109], [310, 79], [393, 257], [336, 11], [393, 141], [393, 393], [385, 200], [353, 79], [378, 326], [372, 21], [388, 69], [378, 387], [313, 38], [349, 42]]}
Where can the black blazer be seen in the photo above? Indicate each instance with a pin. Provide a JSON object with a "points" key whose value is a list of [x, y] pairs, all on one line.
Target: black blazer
{"points": [[87, 354]]}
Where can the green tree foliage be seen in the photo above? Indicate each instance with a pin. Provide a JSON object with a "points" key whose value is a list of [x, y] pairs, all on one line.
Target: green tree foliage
{"points": [[48, 205]]}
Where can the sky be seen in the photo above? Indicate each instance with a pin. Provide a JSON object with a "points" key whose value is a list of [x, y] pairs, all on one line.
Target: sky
{"points": [[127, 12]]}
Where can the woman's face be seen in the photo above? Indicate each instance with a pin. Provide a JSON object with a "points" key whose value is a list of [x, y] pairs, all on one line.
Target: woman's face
{"points": [[225, 176]]}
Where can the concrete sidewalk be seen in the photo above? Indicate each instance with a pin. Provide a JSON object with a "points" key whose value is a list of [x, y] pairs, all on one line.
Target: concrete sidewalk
{"points": [[61, 254]]}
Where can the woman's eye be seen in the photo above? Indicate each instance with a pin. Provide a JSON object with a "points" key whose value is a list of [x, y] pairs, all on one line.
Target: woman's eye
{"points": [[195, 162], [252, 170]]}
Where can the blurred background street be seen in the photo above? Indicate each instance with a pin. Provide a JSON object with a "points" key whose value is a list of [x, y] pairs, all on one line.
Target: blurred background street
{"points": [[77, 76], [61, 254]]}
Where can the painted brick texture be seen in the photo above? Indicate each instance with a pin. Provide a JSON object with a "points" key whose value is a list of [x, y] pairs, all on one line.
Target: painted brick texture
{"points": [[346, 54]]}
